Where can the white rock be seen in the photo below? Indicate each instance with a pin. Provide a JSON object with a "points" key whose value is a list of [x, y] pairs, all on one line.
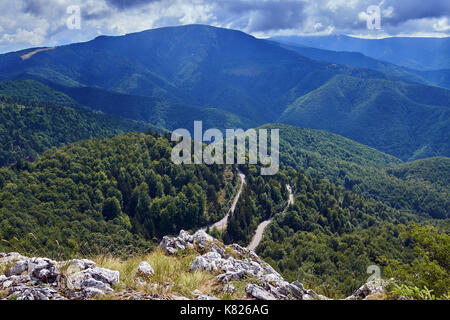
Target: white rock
{"points": [[229, 288], [206, 297], [18, 268], [77, 265], [258, 292], [98, 278], [145, 270], [34, 293], [7, 258]]}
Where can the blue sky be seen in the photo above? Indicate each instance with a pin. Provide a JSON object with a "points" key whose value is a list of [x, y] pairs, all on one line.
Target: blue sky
{"points": [[32, 23]]}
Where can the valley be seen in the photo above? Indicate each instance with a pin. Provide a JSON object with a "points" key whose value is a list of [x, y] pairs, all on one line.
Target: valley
{"points": [[257, 237], [222, 224], [86, 168]]}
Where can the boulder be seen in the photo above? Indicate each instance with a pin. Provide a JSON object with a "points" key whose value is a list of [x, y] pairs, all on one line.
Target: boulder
{"points": [[8, 282], [39, 269], [8, 258], [258, 292], [201, 238], [185, 240], [43, 269], [206, 297], [369, 290], [17, 269], [23, 292], [229, 288], [96, 278], [77, 265], [145, 270]]}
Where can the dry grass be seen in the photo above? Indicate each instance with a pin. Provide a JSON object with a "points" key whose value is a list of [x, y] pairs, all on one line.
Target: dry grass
{"points": [[4, 267], [172, 274]]}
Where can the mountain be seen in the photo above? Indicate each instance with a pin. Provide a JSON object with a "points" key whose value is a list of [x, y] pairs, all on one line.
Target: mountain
{"points": [[112, 199], [408, 121], [434, 171], [110, 195], [230, 79], [366, 171], [157, 111], [413, 53], [216, 68], [202, 267], [31, 90], [440, 78], [35, 118]]}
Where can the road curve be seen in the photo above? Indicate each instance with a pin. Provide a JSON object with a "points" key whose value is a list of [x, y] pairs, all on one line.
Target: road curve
{"points": [[222, 224], [262, 226]]}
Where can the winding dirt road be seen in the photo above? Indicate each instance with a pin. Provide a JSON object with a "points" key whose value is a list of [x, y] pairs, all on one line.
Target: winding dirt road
{"points": [[222, 224], [262, 226]]}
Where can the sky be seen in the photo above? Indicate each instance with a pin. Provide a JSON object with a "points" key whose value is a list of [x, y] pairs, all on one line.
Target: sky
{"points": [[48, 23]]}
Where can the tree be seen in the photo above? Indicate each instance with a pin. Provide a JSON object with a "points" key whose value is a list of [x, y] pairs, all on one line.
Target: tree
{"points": [[111, 208]]}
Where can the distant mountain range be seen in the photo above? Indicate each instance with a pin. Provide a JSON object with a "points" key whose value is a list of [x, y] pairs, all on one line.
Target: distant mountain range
{"points": [[414, 53], [172, 76], [409, 121], [86, 167], [439, 78]]}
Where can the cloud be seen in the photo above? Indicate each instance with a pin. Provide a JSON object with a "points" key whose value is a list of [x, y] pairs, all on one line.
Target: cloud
{"points": [[125, 4], [43, 22]]}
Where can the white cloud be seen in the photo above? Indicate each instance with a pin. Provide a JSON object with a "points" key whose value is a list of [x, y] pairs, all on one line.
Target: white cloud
{"points": [[43, 22], [442, 25]]}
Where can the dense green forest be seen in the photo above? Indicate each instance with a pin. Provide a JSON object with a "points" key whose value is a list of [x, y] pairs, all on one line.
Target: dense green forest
{"points": [[330, 236], [409, 121], [28, 128], [367, 171], [120, 195], [107, 195], [261, 198], [231, 79]]}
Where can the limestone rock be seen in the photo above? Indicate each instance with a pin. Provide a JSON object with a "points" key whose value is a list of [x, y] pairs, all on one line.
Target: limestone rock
{"points": [[258, 292], [23, 292], [206, 297], [93, 281], [77, 265], [43, 269], [369, 290], [229, 288], [17, 269], [145, 270], [8, 282], [185, 240], [7, 258]]}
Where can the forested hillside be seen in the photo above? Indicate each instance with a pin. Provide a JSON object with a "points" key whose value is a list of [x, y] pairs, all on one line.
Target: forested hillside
{"points": [[330, 236], [230, 79], [412, 52], [29, 128], [364, 170], [405, 120], [439, 78], [107, 195]]}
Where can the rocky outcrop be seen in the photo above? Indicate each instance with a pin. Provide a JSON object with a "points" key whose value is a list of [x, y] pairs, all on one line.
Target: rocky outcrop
{"points": [[23, 292], [38, 278], [185, 240], [91, 282], [145, 270], [235, 263], [46, 279], [370, 291], [8, 258]]}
